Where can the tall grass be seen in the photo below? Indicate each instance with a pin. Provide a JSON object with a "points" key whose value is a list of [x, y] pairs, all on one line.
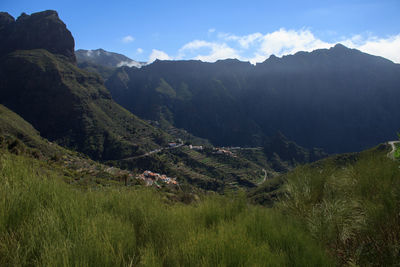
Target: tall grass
{"points": [[45, 222], [354, 209]]}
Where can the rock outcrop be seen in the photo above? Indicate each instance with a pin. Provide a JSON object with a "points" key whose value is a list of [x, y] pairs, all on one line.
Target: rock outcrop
{"points": [[42, 30]]}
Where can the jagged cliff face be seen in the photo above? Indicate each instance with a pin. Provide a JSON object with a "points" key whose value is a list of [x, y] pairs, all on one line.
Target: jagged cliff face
{"points": [[39, 80], [42, 30]]}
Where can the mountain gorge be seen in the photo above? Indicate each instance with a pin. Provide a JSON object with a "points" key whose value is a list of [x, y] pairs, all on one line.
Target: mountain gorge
{"points": [[339, 99], [71, 107], [179, 163], [41, 82]]}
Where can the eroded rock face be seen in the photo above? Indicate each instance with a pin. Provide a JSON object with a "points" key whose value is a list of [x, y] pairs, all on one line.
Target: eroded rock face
{"points": [[42, 30]]}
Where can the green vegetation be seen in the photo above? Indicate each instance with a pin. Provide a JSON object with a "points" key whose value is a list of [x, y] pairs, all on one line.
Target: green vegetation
{"points": [[346, 204], [103, 71], [397, 151], [165, 89], [350, 203], [60, 208], [44, 222], [203, 170], [19, 137]]}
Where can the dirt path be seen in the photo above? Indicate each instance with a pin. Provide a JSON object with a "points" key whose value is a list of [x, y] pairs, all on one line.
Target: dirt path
{"points": [[391, 153]]}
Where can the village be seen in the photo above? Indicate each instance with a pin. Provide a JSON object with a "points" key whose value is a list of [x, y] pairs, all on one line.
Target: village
{"points": [[151, 178]]}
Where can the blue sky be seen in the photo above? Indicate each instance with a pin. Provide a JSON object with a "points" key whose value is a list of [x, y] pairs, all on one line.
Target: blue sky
{"points": [[211, 30]]}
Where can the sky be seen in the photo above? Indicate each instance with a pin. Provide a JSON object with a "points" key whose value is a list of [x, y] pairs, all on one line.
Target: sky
{"points": [[249, 30]]}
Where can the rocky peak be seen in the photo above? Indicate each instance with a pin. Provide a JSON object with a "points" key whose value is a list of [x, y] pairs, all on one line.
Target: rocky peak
{"points": [[42, 30], [339, 46], [5, 19]]}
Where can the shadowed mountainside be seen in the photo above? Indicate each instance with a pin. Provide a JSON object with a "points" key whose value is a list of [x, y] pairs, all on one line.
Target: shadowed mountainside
{"points": [[339, 99]]}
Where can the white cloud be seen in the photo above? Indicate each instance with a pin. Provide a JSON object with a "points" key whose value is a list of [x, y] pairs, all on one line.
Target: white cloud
{"points": [[211, 30], [257, 47], [128, 39], [215, 51], [385, 47], [284, 42], [130, 64], [157, 54], [244, 41], [89, 53], [139, 50]]}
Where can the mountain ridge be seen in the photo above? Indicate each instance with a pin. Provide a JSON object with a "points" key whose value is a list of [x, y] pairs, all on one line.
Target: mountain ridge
{"points": [[305, 96]]}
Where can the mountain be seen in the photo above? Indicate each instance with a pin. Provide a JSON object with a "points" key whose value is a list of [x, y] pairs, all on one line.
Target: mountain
{"points": [[196, 96], [54, 99], [339, 99], [103, 62], [42, 84], [42, 30], [105, 58]]}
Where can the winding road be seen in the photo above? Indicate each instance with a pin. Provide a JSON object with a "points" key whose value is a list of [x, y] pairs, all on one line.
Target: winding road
{"points": [[153, 152], [392, 143], [265, 177]]}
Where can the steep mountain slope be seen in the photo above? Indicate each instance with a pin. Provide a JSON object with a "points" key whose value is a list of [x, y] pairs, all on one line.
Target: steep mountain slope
{"points": [[19, 137], [339, 99], [199, 97], [66, 104]]}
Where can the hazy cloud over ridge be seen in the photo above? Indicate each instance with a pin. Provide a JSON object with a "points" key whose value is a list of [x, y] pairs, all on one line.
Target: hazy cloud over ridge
{"points": [[257, 47], [158, 54]]}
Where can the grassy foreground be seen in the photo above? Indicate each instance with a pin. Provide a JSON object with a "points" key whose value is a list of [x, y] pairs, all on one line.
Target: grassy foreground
{"points": [[45, 222], [350, 203]]}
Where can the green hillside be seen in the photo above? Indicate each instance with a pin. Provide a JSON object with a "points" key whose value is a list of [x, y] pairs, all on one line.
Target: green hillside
{"points": [[346, 206], [205, 170], [19, 137], [44, 222], [196, 171], [349, 202]]}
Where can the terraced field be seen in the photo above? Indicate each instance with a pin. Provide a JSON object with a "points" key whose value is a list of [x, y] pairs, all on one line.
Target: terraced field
{"points": [[234, 171]]}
